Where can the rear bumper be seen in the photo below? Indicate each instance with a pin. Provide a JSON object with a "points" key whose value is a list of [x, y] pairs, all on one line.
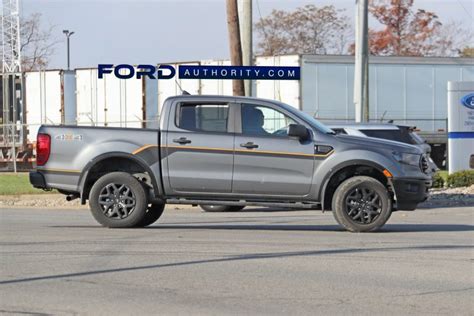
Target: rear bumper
{"points": [[37, 180], [409, 192]]}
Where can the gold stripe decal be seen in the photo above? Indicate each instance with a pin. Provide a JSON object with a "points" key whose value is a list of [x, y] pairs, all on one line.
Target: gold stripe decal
{"points": [[58, 170], [143, 148], [249, 151]]}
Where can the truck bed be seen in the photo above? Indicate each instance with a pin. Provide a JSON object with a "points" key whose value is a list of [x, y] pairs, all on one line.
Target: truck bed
{"points": [[76, 147]]}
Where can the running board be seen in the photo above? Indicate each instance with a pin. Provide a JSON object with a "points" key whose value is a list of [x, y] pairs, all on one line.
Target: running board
{"points": [[245, 203]]}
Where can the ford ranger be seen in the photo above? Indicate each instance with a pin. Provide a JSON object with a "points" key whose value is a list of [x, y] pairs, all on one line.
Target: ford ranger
{"points": [[233, 152]]}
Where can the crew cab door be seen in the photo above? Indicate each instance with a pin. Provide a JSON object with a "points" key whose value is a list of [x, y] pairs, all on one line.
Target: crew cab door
{"points": [[267, 161], [199, 148]]}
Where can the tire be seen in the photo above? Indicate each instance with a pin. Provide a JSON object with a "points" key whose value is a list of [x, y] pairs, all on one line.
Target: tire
{"points": [[361, 204], [118, 200], [221, 208], [153, 213]]}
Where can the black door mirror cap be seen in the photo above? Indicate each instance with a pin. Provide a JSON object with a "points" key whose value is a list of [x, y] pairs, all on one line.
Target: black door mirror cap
{"points": [[298, 131]]}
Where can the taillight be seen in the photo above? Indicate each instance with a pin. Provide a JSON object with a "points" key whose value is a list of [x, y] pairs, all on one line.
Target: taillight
{"points": [[43, 148]]}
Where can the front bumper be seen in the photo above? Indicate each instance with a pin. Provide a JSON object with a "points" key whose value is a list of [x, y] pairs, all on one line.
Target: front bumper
{"points": [[409, 192], [37, 180]]}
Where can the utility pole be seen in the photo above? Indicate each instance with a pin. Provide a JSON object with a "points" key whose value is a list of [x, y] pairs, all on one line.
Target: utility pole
{"points": [[68, 35], [245, 22], [361, 73], [235, 45]]}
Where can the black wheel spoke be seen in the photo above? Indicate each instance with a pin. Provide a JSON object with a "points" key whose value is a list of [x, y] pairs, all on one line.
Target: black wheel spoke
{"points": [[363, 205], [117, 200]]}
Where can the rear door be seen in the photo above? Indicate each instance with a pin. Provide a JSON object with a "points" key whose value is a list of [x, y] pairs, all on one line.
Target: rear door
{"points": [[199, 148], [267, 162]]}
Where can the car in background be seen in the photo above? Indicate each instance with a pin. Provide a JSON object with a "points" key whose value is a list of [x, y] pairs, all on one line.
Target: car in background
{"points": [[399, 133]]}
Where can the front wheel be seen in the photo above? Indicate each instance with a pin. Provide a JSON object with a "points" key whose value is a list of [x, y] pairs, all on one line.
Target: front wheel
{"points": [[361, 204], [221, 208]]}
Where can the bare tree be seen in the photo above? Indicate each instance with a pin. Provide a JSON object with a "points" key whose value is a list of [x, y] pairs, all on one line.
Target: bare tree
{"points": [[453, 39], [37, 44], [308, 29]]}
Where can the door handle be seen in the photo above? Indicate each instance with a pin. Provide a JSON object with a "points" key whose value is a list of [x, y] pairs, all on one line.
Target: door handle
{"points": [[249, 145], [181, 140]]}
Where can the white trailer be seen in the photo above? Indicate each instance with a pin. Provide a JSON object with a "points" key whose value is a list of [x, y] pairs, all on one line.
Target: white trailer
{"points": [[409, 90], [49, 99], [110, 101]]}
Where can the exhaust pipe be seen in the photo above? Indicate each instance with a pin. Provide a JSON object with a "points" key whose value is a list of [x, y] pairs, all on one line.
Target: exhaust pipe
{"points": [[71, 197]]}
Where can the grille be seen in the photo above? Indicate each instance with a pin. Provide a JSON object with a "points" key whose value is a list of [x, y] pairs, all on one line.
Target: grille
{"points": [[424, 166]]}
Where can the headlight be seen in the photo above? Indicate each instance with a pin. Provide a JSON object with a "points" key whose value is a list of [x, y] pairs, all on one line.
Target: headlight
{"points": [[409, 159]]}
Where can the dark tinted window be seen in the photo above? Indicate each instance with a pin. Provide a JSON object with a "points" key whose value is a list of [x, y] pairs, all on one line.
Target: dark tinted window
{"points": [[264, 121], [204, 117], [417, 139], [392, 134]]}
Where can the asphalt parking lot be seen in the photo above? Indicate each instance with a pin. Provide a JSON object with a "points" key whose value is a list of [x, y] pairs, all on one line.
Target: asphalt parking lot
{"points": [[251, 262]]}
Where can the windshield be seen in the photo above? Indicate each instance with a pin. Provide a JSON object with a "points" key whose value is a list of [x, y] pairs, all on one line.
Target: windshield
{"points": [[308, 118], [317, 124]]}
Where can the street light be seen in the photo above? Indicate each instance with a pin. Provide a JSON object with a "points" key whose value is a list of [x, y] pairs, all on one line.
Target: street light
{"points": [[68, 35]]}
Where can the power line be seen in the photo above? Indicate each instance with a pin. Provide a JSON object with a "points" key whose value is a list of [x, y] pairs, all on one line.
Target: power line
{"points": [[265, 35], [464, 8]]}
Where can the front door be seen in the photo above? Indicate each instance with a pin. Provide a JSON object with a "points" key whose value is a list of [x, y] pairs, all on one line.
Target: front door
{"points": [[267, 161], [199, 149]]}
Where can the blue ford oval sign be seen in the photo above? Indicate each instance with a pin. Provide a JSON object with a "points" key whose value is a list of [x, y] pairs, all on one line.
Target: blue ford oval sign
{"points": [[468, 101]]}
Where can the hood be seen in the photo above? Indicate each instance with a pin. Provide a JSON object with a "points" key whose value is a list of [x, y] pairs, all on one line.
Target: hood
{"points": [[379, 143]]}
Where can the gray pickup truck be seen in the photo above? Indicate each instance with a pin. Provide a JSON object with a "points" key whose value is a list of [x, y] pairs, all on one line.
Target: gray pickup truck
{"points": [[232, 151]]}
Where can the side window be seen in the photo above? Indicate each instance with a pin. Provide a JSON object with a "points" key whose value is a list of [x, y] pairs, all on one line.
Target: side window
{"points": [[264, 121], [204, 117]]}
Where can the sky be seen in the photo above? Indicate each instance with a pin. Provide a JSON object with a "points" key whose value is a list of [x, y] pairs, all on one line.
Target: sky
{"points": [[159, 31]]}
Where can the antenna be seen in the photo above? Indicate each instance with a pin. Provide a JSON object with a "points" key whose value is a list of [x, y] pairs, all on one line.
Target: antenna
{"points": [[11, 74], [179, 86]]}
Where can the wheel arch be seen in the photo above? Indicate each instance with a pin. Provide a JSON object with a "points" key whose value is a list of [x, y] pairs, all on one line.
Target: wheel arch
{"points": [[85, 177], [346, 170]]}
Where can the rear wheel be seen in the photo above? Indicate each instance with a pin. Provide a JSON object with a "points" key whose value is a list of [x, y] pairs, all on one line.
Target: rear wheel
{"points": [[361, 204], [153, 213], [118, 200], [221, 208]]}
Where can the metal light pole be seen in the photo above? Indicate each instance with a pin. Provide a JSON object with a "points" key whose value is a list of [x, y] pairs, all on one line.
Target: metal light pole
{"points": [[68, 35], [361, 74]]}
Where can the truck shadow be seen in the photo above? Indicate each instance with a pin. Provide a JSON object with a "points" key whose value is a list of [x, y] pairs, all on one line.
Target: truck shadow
{"points": [[388, 228], [234, 258]]}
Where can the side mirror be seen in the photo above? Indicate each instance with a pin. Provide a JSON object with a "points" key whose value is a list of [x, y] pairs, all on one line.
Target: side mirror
{"points": [[298, 131]]}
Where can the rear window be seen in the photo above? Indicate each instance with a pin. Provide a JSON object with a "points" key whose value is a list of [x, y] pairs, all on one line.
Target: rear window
{"points": [[394, 134], [203, 117]]}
